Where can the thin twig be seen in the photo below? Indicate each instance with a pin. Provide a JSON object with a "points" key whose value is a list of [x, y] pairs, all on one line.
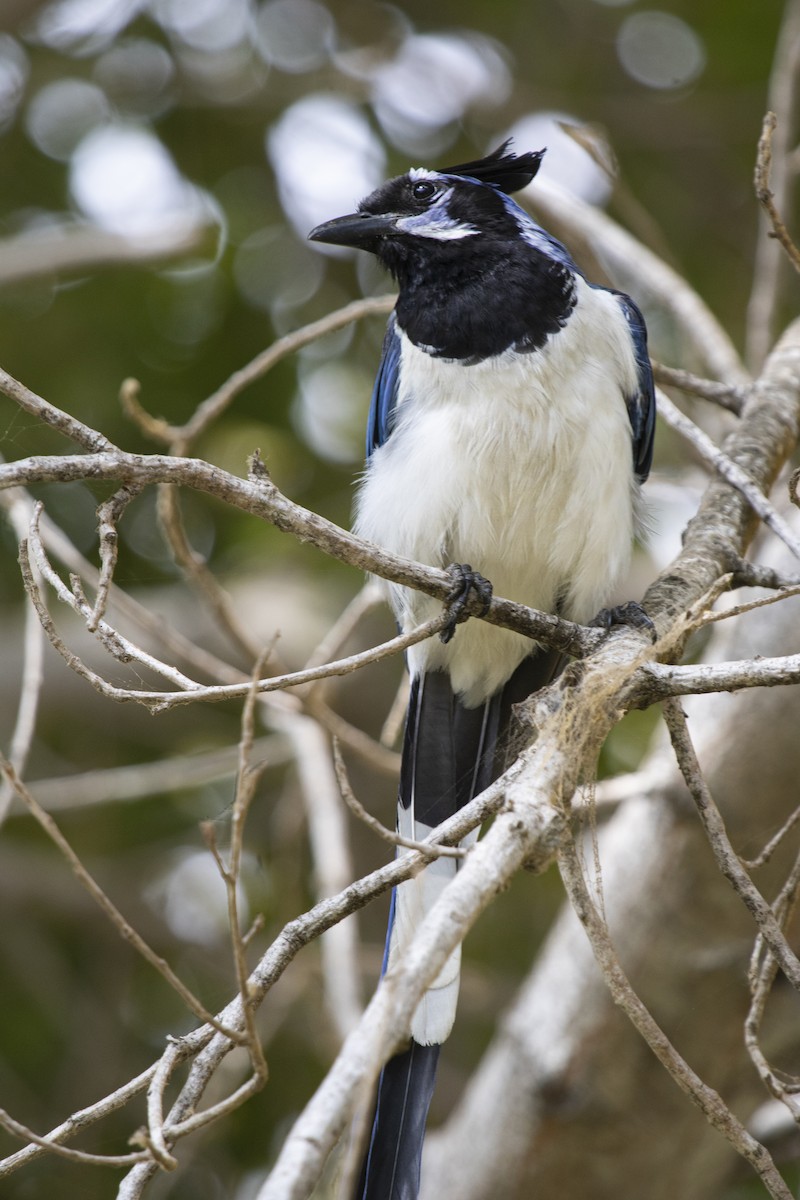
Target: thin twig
{"points": [[388, 835], [46, 822], [79, 1120], [46, 412], [728, 470], [153, 1138], [138, 780], [375, 753], [752, 864], [108, 516], [161, 701], [727, 860], [118, 646], [764, 194], [196, 572], [727, 395], [762, 974], [32, 673], [121, 648], [706, 1098], [366, 598], [393, 723], [79, 1156], [215, 405], [333, 865], [769, 261], [736, 610], [247, 779]]}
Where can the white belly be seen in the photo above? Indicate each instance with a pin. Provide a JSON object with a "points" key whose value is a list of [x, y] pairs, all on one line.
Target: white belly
{"points": [[520, 466]]}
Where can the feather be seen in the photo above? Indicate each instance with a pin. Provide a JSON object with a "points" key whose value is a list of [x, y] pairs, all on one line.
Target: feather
{"points": [[506, 172], [450, 754]]}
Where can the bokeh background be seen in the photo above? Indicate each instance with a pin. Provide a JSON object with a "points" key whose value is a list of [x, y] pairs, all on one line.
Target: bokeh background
{"points": [[209, 136]]}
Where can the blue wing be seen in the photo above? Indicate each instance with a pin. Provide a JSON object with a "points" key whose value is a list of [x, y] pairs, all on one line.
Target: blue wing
{"points": [[642, 404], [384, 394]]}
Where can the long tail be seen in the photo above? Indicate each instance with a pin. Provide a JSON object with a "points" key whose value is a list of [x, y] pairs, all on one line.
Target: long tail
{"points": [[450, 754]]}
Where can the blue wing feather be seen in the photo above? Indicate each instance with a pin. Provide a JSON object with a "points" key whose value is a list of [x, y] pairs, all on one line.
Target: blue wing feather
{"points": [[384, 394], [642, 404]]}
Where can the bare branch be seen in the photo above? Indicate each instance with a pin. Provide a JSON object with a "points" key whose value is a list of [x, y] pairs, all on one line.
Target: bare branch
{"points": [[265, 501], [298, 933], [728, 470], [769, 261], [727, 395], [785, 592], [762, 974], [46, 822], [764, 194], [333, 864], [367, 598], [108, 515], [46, 412], [246, 782], [79, 1120], [719, 534], [727, 860], [32, 672], [180, 436], [68, 248], [707, 1100], [153, 1138], [79, 1156], [375, 753], [772, 845], [134, 782], [700, 678], [211, 409], [196, 571]]}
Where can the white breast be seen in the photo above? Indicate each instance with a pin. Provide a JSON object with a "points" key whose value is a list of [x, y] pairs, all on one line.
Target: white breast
{"points": [[520, 466]]}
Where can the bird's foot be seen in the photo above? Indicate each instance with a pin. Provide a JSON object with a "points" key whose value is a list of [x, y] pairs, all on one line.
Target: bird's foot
{"points": [[631, 613], [465, 580]]}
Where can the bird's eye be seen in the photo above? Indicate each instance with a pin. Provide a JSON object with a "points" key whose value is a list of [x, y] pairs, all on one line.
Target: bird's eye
{"points": [[423, 190]]}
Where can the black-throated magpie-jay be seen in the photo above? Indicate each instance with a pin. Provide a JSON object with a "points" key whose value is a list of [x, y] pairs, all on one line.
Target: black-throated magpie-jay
{"points": [[511, 426]]}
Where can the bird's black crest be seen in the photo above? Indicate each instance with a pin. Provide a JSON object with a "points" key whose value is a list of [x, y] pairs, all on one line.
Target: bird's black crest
{"points": [[507, 172]]}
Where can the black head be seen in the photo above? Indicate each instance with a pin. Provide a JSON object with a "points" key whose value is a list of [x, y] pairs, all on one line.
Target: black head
{"points": [[476, 273], [440, 207]]}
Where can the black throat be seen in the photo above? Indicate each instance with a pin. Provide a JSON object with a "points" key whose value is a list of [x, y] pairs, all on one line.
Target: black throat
{"points": [[470, 306]]}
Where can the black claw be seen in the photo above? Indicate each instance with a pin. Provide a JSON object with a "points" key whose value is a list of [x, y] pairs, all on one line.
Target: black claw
{"points": [[465, 580], [631, 613]]}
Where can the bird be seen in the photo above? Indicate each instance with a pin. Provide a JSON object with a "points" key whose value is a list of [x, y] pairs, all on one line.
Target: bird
{"points": [[511, 427]]}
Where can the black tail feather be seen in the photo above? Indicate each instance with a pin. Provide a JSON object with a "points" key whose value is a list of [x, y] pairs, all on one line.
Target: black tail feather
{"points": [[450, 754], [392, 1162]]}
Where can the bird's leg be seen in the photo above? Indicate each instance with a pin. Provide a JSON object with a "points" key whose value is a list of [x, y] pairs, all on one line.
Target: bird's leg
{"points": [[631, 613], [465, 580]]}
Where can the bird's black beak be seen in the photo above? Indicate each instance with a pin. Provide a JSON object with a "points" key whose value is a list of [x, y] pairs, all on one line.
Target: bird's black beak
{"points": [[356, 229]]}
